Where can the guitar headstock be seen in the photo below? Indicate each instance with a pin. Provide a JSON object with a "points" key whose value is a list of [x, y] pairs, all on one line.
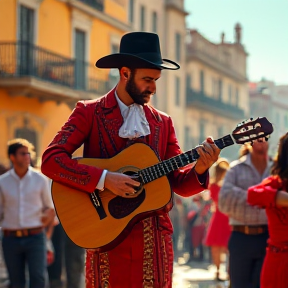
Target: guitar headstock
{"points": [[251, 130]]}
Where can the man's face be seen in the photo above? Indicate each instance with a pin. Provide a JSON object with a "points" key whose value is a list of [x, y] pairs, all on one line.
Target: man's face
{"points": [[260, 147], [141, 85], [21, 158]]}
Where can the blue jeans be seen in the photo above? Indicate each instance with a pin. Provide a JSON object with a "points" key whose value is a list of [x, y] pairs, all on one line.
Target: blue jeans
{"points": [[74, 260], [246, 256], [17, 252]]}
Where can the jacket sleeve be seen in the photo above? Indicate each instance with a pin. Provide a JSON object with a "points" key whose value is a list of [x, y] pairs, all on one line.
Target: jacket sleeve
{"points": [[57, 162], [264, 194], [184, 181]]}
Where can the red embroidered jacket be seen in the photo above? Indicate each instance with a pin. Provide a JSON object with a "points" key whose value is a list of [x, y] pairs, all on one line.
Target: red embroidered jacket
{"points": [[96, 123]]}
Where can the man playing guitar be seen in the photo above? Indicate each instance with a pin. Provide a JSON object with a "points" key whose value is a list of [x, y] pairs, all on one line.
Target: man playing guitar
{"points": [[107, 126]]}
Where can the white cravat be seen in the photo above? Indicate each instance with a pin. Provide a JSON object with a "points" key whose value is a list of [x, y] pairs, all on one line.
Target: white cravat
{"points": [[135, 123]]}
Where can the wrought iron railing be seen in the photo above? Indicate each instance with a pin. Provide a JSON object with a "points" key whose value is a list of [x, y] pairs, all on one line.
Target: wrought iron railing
{"points": [[97, 4], [19, 59], [198, 98]]}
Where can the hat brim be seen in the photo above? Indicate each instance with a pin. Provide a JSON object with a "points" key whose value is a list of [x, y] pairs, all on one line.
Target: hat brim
{"points": [[119, 60]]}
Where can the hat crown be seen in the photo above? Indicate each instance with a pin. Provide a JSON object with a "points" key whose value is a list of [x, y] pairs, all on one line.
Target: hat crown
{"points": [[138, 50], [140, 43]]}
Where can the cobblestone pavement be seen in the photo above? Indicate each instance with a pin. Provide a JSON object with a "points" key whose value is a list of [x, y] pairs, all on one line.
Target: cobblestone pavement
{"points": [[193, 274], [198, 275]]}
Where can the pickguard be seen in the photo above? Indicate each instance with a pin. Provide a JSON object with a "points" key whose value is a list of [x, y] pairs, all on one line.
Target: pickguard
{"points": [[120, 207]]}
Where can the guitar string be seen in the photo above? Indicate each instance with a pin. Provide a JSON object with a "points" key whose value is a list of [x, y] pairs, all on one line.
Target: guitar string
{"points": [[158, 170]]}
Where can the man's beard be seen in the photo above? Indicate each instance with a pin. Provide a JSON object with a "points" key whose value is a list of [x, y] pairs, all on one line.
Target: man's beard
{"points": [[134, 92]]}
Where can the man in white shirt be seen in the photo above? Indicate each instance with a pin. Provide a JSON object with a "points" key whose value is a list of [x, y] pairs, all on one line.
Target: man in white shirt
{"points": [[26, 208]]}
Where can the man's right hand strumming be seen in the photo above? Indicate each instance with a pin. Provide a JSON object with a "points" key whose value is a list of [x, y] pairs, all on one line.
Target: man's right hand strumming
{"points": [[121, 185]]}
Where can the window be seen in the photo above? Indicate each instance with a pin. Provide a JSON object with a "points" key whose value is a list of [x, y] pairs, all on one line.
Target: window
{"points": [[236, 97], [187, 142], [202, 135], [80, 65], [230, 93], [142, 18], [26, 24], [178, 46], [188, 82], [114, 48], [27, 133], [113, 73], [220, 89], [177, 91], [131, 11], [154, 22], [202, 84], [26, 37]]}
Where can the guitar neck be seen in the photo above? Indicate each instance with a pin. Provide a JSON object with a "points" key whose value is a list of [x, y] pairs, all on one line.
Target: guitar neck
{"points": [[165, 167]]}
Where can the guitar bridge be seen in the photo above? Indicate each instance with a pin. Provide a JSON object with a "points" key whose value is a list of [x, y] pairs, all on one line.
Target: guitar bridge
{"points": [[97, 203]]}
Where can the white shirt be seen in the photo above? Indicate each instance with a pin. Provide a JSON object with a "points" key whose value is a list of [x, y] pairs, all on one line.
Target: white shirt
{"points": [[22, 200]]}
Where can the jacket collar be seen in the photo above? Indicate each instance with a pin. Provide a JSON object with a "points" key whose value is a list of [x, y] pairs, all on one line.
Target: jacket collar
{"points": [[110, 102]]}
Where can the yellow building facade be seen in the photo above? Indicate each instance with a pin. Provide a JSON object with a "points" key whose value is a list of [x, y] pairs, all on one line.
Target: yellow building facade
{"points": [[47, 53]]}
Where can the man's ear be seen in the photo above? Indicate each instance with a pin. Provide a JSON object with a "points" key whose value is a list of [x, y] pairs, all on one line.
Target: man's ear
{"points": [[125, 73], [12, 157]]}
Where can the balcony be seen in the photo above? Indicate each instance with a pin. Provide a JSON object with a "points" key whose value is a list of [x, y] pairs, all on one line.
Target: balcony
{"points": [[220, 57], [26, 69], [176, 4], [200, 100], [96, 4]]}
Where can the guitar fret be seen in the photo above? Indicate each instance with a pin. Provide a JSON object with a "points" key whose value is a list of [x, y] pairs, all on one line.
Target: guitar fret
{"points": [[150, 174], [165, 165], [153, 172], [144, 176], [160, 173], [161, 169], [182, 164], [187, 158], [174, 164]]}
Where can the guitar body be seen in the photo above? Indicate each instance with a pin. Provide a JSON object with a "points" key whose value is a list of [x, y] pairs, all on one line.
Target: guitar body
{"points": [[82, 222], [101, 220]]}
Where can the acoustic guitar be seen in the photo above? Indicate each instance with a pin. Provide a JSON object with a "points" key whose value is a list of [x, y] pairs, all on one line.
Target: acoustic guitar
{"points": [[101, 220]]}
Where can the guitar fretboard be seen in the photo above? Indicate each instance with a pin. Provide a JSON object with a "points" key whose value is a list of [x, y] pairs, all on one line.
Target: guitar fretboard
{"points": [[167, 166]]}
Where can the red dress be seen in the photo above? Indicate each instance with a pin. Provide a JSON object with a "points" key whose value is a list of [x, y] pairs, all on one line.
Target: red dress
{"points": [[275, 267], [219, 230], [145, 257]]}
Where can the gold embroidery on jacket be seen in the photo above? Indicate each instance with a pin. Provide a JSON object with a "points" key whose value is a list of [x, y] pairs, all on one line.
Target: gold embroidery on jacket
{"points": [[104, 268], [165, 258], [148, 268]]}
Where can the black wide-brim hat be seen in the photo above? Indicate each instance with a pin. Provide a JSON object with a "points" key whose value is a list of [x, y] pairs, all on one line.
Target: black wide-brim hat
{"points": [[138, 50]]}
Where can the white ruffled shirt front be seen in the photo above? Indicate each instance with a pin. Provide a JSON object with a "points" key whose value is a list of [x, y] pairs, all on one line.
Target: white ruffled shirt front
{"points": [[135, 123]]}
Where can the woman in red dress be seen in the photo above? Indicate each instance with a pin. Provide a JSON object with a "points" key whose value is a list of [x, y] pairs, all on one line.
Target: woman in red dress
{"points": [[272, 194], [218, 232]]}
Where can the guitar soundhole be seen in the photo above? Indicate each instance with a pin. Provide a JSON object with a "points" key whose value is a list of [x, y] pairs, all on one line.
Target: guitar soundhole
{"points": [[120, 207]]}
